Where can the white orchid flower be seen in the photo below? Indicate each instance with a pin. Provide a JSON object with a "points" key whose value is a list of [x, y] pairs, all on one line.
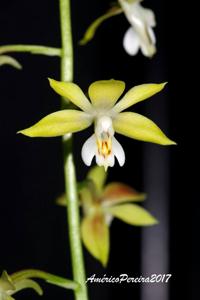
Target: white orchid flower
{"points": [[140, 35]]}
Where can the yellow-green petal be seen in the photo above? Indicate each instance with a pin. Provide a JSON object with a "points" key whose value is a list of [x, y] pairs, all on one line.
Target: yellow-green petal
{"points": [[105, 93], [140, 128], [28, 284], [71, 92], [58, 124], [98, 176], [90, 32], [118, 193], [137, 94], [8, 60], [6, 282], [86, 199], [95, 235], [132, 214]]}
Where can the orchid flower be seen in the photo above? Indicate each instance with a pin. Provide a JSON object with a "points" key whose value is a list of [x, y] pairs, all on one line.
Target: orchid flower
{"points": [[140, 35], [10, 286], [101, 204], [106, 113]]}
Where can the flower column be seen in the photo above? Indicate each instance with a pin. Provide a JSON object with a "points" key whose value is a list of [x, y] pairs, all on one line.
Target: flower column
{"points": [[69, 169]]}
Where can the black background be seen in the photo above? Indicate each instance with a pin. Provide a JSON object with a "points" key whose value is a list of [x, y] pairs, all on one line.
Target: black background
{"points": [[33, 228]]}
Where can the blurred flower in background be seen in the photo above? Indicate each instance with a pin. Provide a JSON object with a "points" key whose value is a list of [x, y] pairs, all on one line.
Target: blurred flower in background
{"points": [[140, 35], [101, 203]]}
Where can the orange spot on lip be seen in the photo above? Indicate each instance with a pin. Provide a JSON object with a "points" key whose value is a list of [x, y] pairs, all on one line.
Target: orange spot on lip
{"points": [[104, 145]]}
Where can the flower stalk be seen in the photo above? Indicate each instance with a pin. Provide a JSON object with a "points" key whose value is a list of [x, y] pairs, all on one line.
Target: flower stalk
{"points": [[50, 278], [33, 49], [69, 168]]}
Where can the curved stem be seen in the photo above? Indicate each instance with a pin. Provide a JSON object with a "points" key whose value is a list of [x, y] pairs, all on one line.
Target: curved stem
{"points": [[50, 278], [69, 168], [34, 49]]}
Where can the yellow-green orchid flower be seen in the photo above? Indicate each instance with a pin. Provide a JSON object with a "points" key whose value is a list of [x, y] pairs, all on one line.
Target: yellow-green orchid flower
{"points": [[106, 114], [140, 35], [9, 286], [101, 204]]}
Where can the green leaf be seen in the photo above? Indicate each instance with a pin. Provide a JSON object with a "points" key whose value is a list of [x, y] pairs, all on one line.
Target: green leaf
{"points": [[59, 123], [98, 176], [8, 60], [132, 214], [95, 235], [90, 32], [140, 128], [117, 192]]}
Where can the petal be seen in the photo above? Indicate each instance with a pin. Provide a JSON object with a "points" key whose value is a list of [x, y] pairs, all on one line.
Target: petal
{"points": [[61, 200], [89, 34], [110, 161], [152, 35], [95, 235], [71, 92], [149, 17], [132, 214], [137, 94], [118, 151], [8, 60], [148, 48], [27, 284], [131, 42], [116, 192], [140, 128], [106, 162], [98, 176], [6, 282], [100, 161], [105, 93], [87, 198], [59, 123], [89, 150]]}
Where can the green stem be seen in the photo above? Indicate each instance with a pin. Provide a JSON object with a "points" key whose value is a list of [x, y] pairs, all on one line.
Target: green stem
{"points": [[34, 49], [50, 278], [67, 44], [69, 168]]}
